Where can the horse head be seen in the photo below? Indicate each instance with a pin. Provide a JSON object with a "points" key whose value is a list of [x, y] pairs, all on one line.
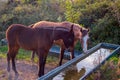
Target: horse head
{"points": [[81, 34], [84, 39]]}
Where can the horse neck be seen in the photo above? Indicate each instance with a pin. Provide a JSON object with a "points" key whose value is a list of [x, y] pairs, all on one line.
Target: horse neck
{"points": [[59, 33]]}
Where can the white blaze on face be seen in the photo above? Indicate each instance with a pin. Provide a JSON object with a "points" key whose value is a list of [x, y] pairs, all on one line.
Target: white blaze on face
{"points": [[85, 38]]}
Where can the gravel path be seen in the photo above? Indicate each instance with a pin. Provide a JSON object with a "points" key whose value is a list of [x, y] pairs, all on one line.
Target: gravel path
{"points": [[27, 70]]}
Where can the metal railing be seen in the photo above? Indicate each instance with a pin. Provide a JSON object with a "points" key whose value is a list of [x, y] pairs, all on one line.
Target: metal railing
{"points": [[56, 71]]}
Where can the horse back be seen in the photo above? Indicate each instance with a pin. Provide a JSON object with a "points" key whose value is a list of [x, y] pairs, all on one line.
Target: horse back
{"points": [[16, 35], [52, 24], [12, 31], [27, 38]]}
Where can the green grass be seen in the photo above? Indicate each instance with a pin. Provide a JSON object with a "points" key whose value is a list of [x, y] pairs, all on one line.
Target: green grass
{"points": [[25, 55], [22, 54], [3, 51]]}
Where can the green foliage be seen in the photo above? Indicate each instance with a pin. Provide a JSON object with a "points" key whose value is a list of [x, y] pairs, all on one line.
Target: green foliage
{"points": [[92, 13], [26, 13], [2, 35], [72, 13], [101, 16], [103, 23], [106, 31]]}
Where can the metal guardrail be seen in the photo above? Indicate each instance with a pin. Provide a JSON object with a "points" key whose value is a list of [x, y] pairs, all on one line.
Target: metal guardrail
{"points": [[114, 52], [54, 72]]}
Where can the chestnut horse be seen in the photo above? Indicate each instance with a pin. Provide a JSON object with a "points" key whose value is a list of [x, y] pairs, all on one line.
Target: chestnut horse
{"points": [[36, 39], [80, 33]]}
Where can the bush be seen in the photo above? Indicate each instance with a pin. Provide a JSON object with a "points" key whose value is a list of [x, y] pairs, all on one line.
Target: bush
{"points": [[2, 35], [25, 13], [104, 25], [102, 17]]}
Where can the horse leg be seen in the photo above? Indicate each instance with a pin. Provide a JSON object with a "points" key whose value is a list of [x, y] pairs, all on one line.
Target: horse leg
{"points": [[42, 54], [72, 53], [11, 55], [32, 56], [14, 69], [61, 55], [8, 66], [13, 63]]}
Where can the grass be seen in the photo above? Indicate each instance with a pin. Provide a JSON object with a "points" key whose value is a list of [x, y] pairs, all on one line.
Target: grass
{"points": [[22, 54], [3, 51], [25, 55]]}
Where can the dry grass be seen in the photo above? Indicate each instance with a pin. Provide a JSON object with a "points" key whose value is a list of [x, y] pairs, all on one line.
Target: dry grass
{"points": [[109, 71], [27, 70]]}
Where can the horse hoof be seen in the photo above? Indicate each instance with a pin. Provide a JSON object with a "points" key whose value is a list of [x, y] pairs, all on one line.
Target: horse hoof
{"points": [[16, 76], [9, 76]]}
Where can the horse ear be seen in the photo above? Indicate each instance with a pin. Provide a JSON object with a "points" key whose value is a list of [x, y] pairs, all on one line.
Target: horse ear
{"points": [[71, 28], [31, 25]]}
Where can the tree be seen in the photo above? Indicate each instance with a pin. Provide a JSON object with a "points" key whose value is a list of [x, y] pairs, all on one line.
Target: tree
{"points": [[72, 13]]}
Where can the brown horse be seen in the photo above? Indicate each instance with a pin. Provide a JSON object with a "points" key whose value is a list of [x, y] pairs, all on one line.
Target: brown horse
{"points": [[80, 33], [36, 39]]}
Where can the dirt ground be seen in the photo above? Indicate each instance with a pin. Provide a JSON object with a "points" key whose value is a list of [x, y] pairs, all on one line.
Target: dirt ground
{"points": [[27, 70]]}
